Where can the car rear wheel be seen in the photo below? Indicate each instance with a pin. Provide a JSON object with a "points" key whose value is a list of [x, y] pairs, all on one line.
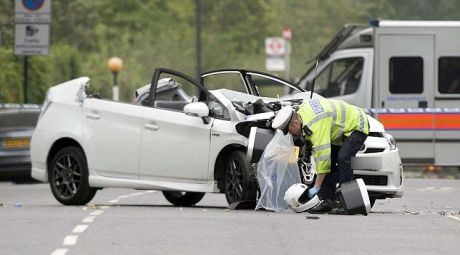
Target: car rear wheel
{"points": [[179, 198], [68, 173], [240, 182]]}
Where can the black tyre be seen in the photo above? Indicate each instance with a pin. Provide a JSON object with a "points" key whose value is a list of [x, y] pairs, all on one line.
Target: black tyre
{"points": [[240, 180], [179, 198], [68, 176]]}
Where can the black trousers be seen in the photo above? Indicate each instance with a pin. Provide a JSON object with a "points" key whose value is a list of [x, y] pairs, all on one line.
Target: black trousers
{"points": [[341, 171]]}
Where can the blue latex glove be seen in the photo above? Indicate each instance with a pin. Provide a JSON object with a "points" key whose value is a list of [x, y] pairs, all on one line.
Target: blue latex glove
{"points": [[313, 191]]}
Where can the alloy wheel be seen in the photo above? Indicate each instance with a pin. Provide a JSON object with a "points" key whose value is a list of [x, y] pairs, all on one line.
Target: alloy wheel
{"points": [[67, 175], [234, 180]]}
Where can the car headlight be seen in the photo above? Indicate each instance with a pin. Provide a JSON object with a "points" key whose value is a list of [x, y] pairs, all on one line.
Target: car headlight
{"points": [[391, 141]]}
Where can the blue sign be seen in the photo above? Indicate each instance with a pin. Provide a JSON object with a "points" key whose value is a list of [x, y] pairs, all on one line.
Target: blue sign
{"points": [[33, 5]]}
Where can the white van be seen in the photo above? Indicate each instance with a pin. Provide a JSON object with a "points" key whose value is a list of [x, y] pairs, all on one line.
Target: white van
{"points": [[407, 75]]}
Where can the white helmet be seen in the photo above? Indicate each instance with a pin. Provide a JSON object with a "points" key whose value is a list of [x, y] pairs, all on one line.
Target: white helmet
{"points": [[292, 195]]}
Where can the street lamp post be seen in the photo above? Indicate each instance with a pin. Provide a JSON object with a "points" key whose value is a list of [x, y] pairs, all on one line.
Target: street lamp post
{"points": [[115, 65]]}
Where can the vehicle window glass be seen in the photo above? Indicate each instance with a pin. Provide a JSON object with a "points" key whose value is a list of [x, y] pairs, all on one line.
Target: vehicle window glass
{"points": [[167, 90], [449, 75], [217, 109], [143, 100], [231, 81], [268, 87], [341, 77], [174, 92], [406, 75]]}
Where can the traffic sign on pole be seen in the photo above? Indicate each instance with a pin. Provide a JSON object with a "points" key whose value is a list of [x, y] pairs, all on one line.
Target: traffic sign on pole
{"points": [[32, 32], [275, 50], [32, 11], [31, 39]]}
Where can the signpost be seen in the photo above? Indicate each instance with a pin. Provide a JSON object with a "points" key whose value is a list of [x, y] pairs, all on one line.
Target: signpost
{"points": [[287, 35], [31, 39], [277, 51], [32, 32]]}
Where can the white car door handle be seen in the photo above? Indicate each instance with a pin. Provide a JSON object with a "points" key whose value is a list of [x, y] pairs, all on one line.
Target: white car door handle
{"points": [[93, 116], [151, 126]]}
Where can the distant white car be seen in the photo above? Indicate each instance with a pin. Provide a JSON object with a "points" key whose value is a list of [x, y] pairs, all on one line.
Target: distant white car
{"points": [[184, 146]]}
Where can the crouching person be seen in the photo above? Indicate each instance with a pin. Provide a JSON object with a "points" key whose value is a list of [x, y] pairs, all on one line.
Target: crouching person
{"points": [[336, 130]]}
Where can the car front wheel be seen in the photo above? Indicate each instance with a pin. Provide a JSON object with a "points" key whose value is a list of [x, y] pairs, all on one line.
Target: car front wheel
{"points": [[179, 198], [240, 182], [68, 173]]}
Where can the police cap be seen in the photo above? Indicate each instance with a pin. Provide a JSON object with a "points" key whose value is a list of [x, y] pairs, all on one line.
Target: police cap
{"points": [[282, 119]]}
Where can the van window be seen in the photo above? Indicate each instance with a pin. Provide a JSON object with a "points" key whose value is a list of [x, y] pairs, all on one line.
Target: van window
{"points": [[449, 75], [406, 75], [341, 77]]}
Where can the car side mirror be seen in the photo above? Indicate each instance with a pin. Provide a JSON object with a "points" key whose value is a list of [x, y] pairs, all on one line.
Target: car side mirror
{"points": [[198, 109]]}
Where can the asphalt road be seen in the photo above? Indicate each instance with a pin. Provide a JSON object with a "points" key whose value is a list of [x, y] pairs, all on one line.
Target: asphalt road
{"points": [[120, 221]]}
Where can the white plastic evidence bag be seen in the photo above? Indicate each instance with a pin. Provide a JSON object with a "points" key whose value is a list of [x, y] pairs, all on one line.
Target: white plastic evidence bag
{"points": [[277, 170]]}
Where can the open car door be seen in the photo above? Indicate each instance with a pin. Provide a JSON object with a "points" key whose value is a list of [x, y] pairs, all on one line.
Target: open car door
{"points": [[176, 134]]}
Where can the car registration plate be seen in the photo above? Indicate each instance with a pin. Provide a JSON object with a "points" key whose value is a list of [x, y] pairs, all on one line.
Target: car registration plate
{"points": [[16, 143]]}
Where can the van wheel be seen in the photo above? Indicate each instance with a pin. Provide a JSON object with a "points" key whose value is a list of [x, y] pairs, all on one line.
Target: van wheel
{"points": [[68, 173], [240, 182], [179, 198]]}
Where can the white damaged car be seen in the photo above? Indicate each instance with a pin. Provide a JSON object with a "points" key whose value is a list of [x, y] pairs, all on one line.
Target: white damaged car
{"points": [[178, 137]]}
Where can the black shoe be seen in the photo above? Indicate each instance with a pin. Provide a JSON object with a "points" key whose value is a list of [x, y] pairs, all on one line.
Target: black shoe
{"points": [[322, 207], [337, 207]]}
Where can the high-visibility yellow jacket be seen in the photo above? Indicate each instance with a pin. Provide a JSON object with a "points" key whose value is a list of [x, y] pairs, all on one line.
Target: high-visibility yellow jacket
{"points": [[330, 120]]}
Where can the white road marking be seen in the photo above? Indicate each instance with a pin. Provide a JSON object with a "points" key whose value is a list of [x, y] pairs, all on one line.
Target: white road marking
{"points": [[443, 189], [70, 240], [453, 217], [97, 212], [60, 251], [88, 219], [79, 228]]}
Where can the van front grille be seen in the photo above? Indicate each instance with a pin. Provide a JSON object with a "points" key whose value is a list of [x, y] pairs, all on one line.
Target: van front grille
{"points": [[377, 180], [374, 150]]}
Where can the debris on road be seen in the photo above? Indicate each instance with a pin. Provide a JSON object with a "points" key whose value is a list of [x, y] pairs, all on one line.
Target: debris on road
{"points": [[409, 212], [312, 217]]}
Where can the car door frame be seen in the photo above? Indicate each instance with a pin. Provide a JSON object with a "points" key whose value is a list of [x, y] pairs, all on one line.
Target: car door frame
{"points": [[204, 93], [244, 73]]}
